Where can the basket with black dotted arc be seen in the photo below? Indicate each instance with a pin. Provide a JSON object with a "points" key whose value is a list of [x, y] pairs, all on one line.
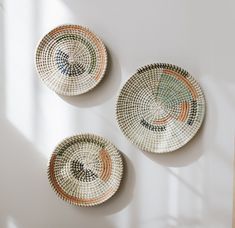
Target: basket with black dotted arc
{"points": [[71, 60], [85, 169]]}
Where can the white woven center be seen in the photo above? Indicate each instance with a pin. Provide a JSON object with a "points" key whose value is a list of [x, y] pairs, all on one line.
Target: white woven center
{"points": [[157, 109], [71, 60]]}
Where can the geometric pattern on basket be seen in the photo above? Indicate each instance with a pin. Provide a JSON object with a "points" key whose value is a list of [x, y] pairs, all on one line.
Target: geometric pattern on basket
{"points": [[71, 60], [160, 108], [85, 169]]}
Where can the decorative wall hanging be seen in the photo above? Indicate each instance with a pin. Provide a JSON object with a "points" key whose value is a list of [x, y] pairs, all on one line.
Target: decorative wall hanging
{"points": [[71, 60], [85, 170], [160, 108]]}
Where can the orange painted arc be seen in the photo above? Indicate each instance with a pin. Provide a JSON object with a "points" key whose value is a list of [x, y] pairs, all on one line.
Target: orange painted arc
{"points": [[184, 110], [163, 120], [106, 165]]}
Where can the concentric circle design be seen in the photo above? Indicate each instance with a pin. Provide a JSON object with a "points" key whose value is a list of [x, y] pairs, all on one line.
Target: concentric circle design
{"points": [[85, 170], [71, 60], [160, 108]]}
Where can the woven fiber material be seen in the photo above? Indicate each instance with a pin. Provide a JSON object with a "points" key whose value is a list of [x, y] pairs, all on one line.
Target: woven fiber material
{"points": [[160, 108], [71, 60], [85, 170]]}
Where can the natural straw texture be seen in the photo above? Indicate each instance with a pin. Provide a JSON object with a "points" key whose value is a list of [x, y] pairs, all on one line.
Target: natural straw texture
{"points": [[85, 170], [160, 108], [71, 60]]}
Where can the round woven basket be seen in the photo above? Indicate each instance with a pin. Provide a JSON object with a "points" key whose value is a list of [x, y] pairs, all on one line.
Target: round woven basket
{"points": [[160, 108], [71, 60], [85, 170]]}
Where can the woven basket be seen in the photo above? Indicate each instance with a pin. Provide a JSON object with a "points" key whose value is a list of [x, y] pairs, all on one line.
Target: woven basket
{"points": [[85, 170], [160, 108], [71, 60]]}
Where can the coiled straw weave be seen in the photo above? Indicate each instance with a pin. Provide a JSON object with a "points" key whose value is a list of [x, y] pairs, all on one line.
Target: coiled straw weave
{"points": [[71, 60], [160, 108], [85, 170]]}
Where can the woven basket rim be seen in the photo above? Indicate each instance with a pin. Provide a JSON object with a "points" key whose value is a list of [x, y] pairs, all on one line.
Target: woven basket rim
{"points": [[119, 154], [101, 43], [160, 65]]}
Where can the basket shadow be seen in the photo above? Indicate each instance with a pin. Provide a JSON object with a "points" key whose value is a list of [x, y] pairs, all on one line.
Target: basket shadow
{"points": [[105, 90]]}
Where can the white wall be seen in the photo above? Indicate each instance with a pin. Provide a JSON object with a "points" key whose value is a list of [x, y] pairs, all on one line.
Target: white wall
{"points": [[191, 187]]}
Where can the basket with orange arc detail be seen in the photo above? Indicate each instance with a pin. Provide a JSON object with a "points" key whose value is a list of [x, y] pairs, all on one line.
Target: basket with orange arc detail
{"points": [[160, 108], [85, 170], [71, 60]]}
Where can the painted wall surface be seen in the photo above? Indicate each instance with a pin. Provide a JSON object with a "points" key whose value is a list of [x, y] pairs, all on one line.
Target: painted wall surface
{"points": [[189, 188]]}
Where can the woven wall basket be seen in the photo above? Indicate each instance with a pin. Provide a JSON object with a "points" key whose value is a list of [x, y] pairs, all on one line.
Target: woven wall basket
{"points": [[71, 60], [160, 108], [85, 170]]}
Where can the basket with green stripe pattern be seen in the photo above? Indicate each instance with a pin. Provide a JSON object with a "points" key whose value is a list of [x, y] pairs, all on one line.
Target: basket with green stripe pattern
{"points": [[160, 108]]}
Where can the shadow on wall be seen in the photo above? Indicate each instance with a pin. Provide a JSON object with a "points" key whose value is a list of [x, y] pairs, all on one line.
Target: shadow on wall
{"points": [[27, 198], [169, 221], [110, 84]]}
